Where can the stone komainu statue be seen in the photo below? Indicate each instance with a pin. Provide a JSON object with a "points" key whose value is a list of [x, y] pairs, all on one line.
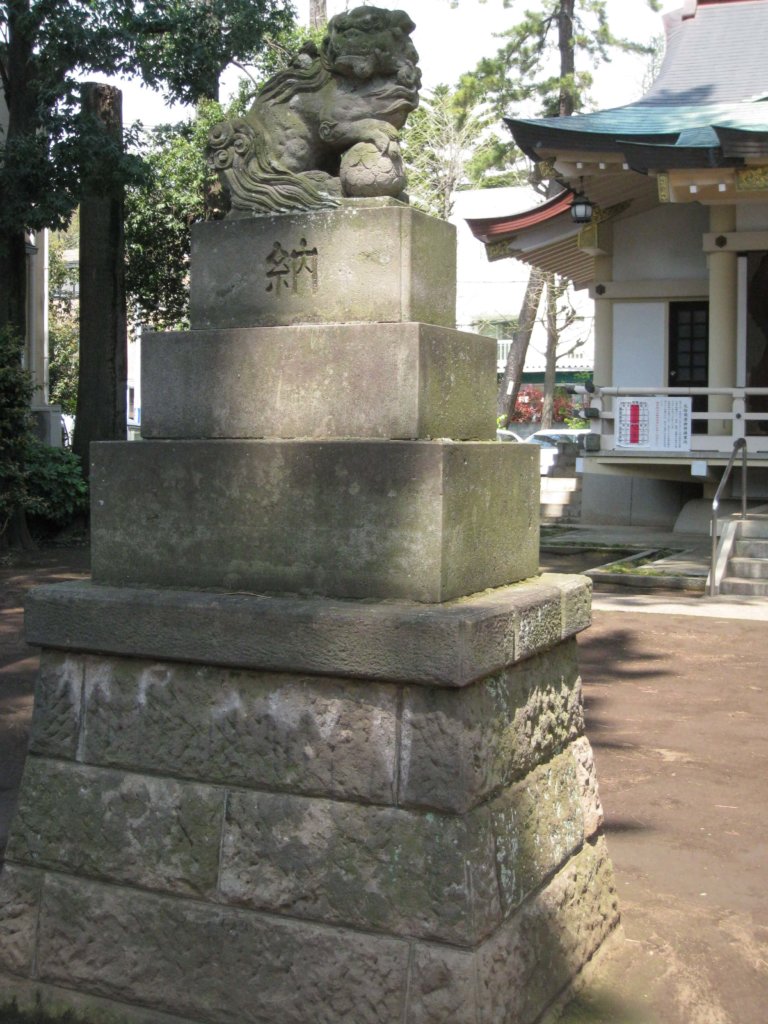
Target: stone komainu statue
{"points": [[327, 126]]}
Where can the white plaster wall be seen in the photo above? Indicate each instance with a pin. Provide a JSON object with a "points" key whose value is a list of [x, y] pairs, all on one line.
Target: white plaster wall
{"points": [[752, 217], [639, 344], [663, 243]]}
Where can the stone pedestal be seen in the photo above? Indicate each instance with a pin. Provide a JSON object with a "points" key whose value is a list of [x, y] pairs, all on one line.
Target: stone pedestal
{"points": [[309, 749]]}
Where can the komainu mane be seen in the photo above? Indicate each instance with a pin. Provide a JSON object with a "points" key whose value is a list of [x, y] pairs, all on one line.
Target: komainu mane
{"points": [[327, 127]]}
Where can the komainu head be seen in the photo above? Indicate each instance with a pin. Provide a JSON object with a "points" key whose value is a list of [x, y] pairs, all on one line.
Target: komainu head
{"points": [[326, 128]]}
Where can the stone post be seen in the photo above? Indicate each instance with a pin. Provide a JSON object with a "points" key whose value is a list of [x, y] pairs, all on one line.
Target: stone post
{"points": [[310, 746]]}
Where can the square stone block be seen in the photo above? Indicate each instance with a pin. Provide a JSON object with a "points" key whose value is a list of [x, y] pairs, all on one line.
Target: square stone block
{"points": [[205, 962], [141, 829], [311, 735], [328, 380], [381, 262], [380, 869], [423, 520]]}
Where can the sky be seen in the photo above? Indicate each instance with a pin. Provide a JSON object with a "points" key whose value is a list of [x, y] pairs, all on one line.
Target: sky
{"points": [[451, 40]]}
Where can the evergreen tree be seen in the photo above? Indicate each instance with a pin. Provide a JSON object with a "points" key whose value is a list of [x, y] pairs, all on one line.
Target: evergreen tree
{"points": [[543, 66], [179, 46]]}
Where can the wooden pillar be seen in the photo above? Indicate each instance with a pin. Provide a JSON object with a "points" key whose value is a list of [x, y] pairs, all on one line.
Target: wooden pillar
{"points": [[101, 411], [722, 316]]}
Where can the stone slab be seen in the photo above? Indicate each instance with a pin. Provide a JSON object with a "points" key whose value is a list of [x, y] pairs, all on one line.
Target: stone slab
{"points": [[435, 749], [33, 997], [421, 520], [308, 735], [379, 263], [537, 825], [20, 890], [144, 830], [206, 962], [460, 747], [164, 955], [389, 870], [364, 380], [527, 964], [448, 645]]}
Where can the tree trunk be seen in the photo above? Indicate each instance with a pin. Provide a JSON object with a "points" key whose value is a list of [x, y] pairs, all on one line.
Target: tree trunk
{"points": [[513, 371], [21, 100], [567, 56], [550, 372], [101, 412], [13, 281], [318, 13]]}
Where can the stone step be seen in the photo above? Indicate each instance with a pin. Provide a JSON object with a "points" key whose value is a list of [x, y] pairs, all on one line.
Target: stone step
{"points": [[559, 485], [748, 568], [754, 528], [749, 588], [560, 512], [751, 548]]}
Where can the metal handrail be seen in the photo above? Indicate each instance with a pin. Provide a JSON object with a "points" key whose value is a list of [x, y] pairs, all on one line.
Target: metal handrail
{"points": [[739, 445]]}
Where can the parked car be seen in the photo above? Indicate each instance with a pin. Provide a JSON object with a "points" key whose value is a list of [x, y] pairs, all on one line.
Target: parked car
{"points": [[560, 435], [507, 435], [549, 439]]}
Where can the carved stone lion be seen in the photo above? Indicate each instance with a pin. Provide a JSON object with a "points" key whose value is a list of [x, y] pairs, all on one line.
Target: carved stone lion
{"points": [[327, 127]]}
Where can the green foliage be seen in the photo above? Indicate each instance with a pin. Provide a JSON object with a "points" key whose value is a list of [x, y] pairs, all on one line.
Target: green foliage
{"points": [[159, 212], [55, 488], [178, 189], [63, 342], [63, 319], [15, 437], [575, 422], [538, 56], [182, 46], [44, 482], [446, 147]]}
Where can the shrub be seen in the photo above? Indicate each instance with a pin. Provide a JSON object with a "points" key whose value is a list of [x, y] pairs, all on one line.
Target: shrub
{"points": [[35, 479], [15, 436], [56, 490], [529, 402]]}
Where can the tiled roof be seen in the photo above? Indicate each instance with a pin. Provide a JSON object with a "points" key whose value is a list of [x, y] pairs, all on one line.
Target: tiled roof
{"points": [[717, 56], [714, 75]]}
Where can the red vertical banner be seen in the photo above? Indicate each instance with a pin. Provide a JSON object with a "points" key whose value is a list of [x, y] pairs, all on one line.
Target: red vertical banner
{"points": [[634, 423]]}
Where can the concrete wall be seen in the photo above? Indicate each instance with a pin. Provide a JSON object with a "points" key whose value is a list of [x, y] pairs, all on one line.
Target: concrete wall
{"points": [[633, 501]]}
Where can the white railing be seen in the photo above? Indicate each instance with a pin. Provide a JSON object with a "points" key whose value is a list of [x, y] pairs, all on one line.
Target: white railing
{"points": [[730, 422], [503, 345]]}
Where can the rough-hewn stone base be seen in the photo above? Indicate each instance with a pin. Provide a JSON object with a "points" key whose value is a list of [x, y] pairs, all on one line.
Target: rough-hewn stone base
{"points": [[205, 962], [231, 845]]}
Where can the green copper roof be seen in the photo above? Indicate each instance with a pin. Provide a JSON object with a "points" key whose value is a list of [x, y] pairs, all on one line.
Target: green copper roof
{"points": [[711, 95]]}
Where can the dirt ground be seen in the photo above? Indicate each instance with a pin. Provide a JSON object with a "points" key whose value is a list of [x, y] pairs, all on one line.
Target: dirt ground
{"points": [[677, 712]]}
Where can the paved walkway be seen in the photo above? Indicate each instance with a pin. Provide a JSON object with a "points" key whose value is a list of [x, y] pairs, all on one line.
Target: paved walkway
{"points": [[677, 710]]}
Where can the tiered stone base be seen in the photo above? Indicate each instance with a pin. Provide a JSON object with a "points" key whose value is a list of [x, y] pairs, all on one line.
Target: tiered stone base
{"points": [[210, 840]]}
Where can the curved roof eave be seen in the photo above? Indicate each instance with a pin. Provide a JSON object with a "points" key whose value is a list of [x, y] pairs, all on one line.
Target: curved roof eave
{"points": [[492, 229]]}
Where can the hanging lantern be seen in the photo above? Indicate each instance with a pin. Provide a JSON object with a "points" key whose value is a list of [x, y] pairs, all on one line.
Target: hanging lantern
{"points": [[581, 209]]}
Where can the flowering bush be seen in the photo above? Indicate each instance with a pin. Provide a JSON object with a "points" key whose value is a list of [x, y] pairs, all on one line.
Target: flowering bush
{"points": [[529, 403]]}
